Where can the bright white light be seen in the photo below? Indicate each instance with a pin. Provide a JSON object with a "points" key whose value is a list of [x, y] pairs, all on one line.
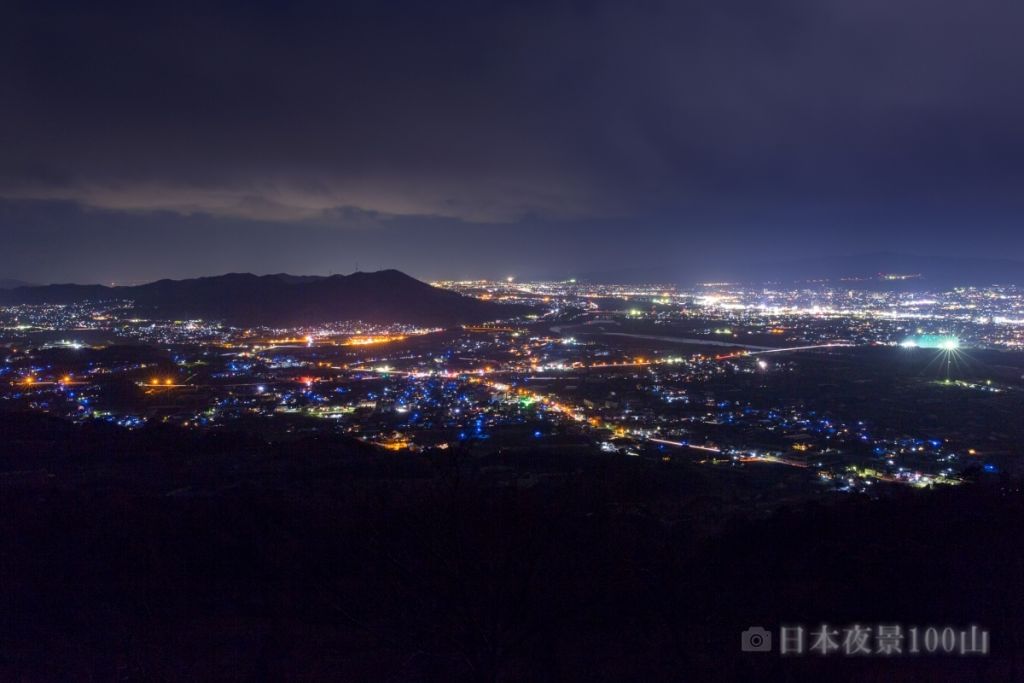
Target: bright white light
{"points": [[762, 364], [950, 345]]}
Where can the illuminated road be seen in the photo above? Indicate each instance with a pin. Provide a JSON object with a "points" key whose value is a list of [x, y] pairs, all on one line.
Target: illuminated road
{"points": [[686, 340], [831, 345], [680, 444], [713, 342]]}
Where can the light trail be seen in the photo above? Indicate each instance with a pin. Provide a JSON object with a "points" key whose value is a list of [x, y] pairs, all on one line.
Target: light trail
{"points": [[686, 340], [680, 444], [831, 345]]}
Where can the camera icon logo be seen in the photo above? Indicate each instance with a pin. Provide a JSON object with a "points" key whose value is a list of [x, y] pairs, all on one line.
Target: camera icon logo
{"points": [[756, 639]]}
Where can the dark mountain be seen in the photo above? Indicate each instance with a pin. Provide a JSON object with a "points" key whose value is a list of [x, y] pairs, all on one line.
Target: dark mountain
{"points": [[11, 284], [284, 300]]}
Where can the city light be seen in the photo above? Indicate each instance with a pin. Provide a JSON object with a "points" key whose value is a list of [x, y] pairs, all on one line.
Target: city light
{"points": [[594, 368], [512, 341], [931, 341]]}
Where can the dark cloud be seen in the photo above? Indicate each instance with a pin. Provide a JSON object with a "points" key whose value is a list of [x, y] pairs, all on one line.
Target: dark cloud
{"points": [[666, 117]]}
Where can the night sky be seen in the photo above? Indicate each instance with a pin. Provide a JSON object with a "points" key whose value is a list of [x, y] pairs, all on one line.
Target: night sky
{"points": [[540, 139]]}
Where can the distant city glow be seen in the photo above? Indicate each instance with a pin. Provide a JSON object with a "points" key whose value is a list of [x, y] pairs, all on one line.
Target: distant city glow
{"points": [[594, 356]]}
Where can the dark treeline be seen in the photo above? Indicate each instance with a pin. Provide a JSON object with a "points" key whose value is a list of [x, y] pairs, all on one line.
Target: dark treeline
{"points": [[161, 554]]}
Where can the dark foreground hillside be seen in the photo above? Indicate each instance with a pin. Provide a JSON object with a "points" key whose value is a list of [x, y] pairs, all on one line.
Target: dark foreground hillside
{"points": [[160, 555]]}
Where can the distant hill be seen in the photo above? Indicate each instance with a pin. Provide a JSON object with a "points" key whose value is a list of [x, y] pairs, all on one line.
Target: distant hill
{"points": [[284, 300], [11, 284], [927, 271], [930, 271]]}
